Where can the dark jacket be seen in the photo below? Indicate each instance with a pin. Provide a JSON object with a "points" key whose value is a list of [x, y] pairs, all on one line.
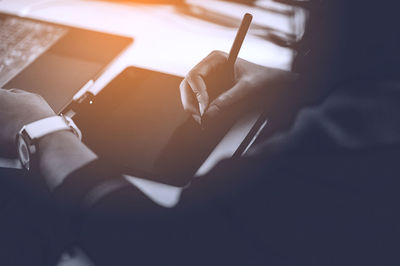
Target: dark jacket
{"points": [[320, 187]]}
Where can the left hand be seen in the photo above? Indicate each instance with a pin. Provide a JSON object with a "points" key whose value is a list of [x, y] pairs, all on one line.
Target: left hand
{"points": [[18, 108]]}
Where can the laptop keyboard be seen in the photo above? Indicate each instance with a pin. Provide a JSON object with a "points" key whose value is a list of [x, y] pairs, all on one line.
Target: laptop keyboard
{"points": [[21, 42]]}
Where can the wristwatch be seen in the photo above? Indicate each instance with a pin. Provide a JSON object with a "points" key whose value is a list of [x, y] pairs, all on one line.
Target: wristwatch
{"points": [[29, 135]]}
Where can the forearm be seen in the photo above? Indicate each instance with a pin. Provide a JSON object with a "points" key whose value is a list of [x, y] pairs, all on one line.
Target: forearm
{"points": [[59, 154]]}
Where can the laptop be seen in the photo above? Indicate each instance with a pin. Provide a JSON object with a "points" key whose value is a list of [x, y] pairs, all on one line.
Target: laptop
{"points": [[53, 60]]}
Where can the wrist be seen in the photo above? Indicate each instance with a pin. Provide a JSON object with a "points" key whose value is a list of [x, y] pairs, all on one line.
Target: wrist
{"points": [[54, 140], [59, 154]]}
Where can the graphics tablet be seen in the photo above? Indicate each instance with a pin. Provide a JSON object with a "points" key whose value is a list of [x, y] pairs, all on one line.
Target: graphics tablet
{"points": [[138, 122]]}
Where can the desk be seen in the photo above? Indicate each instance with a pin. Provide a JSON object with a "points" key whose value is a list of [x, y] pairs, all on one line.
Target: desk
{"points": [[168, 41], [165, 40]]}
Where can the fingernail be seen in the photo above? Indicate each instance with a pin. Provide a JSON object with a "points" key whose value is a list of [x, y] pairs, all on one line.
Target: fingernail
{"points": [[197, 118], [201, 108]]}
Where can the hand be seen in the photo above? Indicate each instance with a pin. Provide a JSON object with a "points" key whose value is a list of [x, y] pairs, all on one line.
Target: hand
{"points": [[59, 153], [17, 108], [212, 78]]}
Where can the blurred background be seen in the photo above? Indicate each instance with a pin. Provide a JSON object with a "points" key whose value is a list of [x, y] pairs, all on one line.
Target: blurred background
{"points": [[172, 36]]}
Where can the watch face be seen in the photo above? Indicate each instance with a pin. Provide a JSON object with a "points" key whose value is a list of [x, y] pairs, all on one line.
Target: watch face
{"points": [[23, 152]]}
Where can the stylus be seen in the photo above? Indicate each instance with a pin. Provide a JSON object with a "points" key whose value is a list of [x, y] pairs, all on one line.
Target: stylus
{"points": [[237, 43]]}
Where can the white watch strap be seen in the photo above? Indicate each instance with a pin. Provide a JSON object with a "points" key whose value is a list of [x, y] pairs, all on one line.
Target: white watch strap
{"points": [[46, 126]]}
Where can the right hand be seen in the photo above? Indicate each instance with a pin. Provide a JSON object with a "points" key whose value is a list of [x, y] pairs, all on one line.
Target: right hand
{"points": [[233, 84]]}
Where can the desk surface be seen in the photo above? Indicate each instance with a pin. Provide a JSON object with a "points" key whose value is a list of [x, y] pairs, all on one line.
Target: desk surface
{"points": [[167, 40]]}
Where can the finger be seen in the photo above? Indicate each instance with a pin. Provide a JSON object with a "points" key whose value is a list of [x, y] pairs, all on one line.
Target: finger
{"points": [[188, 100], [196, 77], [199, 90], [226, 99]]}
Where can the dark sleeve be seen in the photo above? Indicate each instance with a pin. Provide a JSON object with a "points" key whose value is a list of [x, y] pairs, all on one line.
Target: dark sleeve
{"points": [[327, 195], [33, 229], [37, 226], [75, 188], [282, 212]]}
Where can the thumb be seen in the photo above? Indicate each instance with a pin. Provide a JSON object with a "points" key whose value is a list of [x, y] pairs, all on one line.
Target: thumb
{"points": [[227, 99]]}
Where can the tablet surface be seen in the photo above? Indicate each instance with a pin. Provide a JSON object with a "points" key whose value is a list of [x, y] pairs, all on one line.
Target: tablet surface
{"points": [[138, 121]]}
